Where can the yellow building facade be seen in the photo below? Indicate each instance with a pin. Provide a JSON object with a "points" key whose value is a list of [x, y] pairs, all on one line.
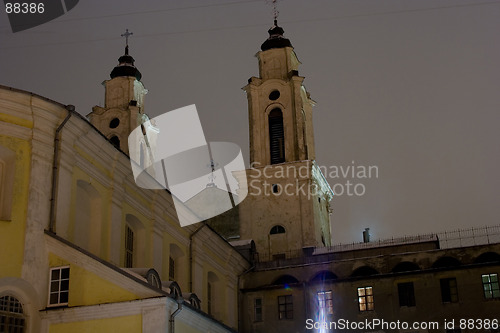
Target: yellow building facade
{"points": [[83, 249]]}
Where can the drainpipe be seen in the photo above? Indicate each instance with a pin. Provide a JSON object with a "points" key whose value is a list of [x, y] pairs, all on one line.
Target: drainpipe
{"points": [[191, 256], [175, 313], [240, 298], [306, 304], [55, 169]]}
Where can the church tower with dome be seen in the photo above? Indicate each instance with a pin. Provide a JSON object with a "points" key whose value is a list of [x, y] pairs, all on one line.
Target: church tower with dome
{"points": [[123, 109], [287, 207]]}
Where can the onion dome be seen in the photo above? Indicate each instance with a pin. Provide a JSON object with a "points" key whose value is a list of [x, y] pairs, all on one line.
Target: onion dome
{"points": [[126, 67], [276, 39]]}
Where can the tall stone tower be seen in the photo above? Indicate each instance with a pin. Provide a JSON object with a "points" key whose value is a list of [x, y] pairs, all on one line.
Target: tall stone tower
{"points": [[123, 110], [287, 207]]}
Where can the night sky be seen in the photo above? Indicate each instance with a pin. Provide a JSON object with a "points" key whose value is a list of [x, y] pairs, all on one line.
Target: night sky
{"points": [[411, 87]]}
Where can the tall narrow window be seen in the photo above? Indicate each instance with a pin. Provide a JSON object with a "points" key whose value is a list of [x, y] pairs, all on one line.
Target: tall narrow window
{"points": [[258, 309], [276, 136], [490, 286], [59, 286], [325, 302], [285, 307], [171, 269], [449, 291], [209, 298], [7, 163], [12, 318], [406, 294], [365, 298], [129, 246]]}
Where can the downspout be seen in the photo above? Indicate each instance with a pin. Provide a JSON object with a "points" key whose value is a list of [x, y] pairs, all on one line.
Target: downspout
{"points": [[191, 256], [240, 298], [306, 304], [55, 169], [175, 313]]}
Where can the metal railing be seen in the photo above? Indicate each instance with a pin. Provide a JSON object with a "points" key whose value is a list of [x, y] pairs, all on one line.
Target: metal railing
{"points": [[448, 239]]}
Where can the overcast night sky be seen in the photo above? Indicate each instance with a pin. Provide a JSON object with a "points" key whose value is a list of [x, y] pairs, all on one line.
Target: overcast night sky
{"points": [[411, 87]]}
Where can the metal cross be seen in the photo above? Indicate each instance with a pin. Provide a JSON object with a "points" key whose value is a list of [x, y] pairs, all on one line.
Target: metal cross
{"points": [[274, 3], [126, 34]]}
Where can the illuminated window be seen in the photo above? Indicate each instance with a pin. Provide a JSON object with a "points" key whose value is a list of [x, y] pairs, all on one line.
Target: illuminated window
{"points": [[12, 318], [325, 301], [171, 269], [285, 307], [449, 291], [59, 286], [490, 286], [129, 246], [258, 309], [365, 298], [406, 294], [276, 136]]}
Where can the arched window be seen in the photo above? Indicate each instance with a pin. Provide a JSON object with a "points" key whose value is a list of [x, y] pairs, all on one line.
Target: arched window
{"points": [[7, 160], [323, 276], [129, 246], [213, 294], [487, 257], [175, 271], [364, 271], [285, 280], [277, 229], [12, 318], [134, 240], [445, 261], [405, 266], [276, 136], [88, 217], [115, 141]]}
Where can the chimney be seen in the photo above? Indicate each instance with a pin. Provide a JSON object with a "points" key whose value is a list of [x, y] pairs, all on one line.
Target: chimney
{"points": [[366, 235]]}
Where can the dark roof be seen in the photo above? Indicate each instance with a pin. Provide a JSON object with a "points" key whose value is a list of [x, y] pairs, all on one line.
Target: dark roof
{"points": [[276, 39], [126, 67]]}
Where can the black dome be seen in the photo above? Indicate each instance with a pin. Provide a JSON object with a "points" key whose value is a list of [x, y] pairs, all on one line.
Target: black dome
{"points": [[126, 67], [276, 39]]}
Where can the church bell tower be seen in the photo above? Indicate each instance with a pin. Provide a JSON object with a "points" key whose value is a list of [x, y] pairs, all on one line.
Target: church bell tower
{"points": [[123, 109], [287, 207]]}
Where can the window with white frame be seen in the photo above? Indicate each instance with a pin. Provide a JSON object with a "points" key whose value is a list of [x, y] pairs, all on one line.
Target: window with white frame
{"points": [[491, 287], [365, 299], [12, 317], [59, 286], [325, 301]]}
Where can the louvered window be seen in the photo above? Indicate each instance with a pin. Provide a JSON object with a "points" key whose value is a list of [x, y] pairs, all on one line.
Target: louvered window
{"points": [[276, 136]]}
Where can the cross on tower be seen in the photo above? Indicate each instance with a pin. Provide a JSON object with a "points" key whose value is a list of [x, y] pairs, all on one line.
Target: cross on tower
{"points": [[126, 34], [275, 10]]}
